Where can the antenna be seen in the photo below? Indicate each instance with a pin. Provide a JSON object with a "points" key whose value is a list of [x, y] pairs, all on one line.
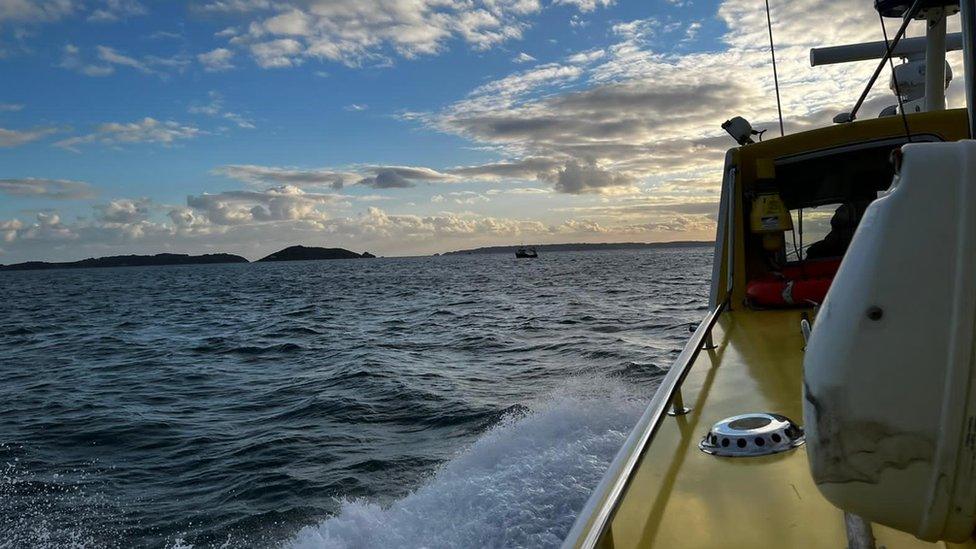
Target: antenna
{"points": [[772, 52]]}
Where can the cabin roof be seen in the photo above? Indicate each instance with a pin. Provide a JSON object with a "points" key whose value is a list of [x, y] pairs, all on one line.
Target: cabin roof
{"points": [[947, 125]]}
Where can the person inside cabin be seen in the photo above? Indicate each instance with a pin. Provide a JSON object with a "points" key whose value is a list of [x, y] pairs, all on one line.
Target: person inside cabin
{"points": [[842, 226]]}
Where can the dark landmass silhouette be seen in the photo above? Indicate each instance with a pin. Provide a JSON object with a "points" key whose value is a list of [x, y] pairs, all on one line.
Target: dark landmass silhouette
{"points": [[305, 253], [584, 247], [127, 261]]}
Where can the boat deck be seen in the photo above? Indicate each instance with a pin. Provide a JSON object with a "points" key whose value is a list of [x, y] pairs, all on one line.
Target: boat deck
{"points": [[682, 497]]}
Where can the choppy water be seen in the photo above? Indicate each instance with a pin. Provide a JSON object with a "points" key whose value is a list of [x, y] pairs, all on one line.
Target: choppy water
{"points": [[448, 401]]}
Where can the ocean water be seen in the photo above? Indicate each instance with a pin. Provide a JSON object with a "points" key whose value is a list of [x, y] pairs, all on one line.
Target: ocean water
{"points": [[469, 401]]}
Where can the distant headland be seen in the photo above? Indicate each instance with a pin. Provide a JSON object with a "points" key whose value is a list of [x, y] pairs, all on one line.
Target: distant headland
{"points": [[306, 253], [127, 261], [311, 253], [293, 253], [585, 247]]}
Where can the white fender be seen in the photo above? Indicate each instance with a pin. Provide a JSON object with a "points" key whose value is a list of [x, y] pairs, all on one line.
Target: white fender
{"points": [[888, 372]]}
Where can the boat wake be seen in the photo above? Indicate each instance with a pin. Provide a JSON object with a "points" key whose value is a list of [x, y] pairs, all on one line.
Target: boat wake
{"points": [[522, 483]]}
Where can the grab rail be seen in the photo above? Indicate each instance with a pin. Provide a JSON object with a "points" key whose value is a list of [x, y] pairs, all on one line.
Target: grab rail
{"points": [[626, 462]]}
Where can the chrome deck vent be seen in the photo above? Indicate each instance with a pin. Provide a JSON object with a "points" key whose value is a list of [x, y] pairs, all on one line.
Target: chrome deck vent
{"points": [[758, 434]]}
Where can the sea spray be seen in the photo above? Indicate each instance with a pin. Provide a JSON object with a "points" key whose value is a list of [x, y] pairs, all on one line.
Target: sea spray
{"points": [[521, 484]]}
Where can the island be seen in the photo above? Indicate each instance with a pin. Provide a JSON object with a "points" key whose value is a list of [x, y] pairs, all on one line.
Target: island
{"points": [[127, 261], [306, 253], [585, 247]]}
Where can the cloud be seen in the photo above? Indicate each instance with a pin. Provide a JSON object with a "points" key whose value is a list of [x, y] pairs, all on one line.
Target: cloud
{"points": [[399, 177], [113, 10], [147, 130], [71, 59], [35, 11], [216, 60], [518, 190], [236, 6], [525, 168], [158, 35], [109, 58], [282, 203], [255, 175], [114, 57], [11, 107], [377, 177], [15, 138], [215, 108], [123, 210], [586, 57], [58, 189], [636, 112], [523, 58], [576, 178], [275, 54], [586, 5], [355, 107], [357, 33]]}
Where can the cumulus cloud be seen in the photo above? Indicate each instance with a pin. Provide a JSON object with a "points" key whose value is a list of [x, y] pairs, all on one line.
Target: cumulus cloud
{"points": [[282, 203], [279, 53], [46, 228], [59, 189], [523, 57], [123, 210], [147, 130], [216, 60]]}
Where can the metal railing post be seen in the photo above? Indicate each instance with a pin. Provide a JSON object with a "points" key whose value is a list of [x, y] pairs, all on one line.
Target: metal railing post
{"points": [[709, 343], [678, 405]]}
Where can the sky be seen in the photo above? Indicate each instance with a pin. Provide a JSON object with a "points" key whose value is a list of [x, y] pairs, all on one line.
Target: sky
{"points": [[399, 127]]}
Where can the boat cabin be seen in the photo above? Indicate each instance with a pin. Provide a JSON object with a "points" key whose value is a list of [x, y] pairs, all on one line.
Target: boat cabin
{"points": [[798, 200]]}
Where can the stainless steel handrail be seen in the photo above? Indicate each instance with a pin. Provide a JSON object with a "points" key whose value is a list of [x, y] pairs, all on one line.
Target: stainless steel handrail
{"points": [[651, 420]]}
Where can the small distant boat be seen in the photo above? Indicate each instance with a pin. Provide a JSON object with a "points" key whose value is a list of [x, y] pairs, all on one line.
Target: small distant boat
{"points": [[526, 253]]}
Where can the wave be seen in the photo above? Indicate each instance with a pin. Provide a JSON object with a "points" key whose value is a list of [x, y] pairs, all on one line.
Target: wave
{"points": [[520, 484]]}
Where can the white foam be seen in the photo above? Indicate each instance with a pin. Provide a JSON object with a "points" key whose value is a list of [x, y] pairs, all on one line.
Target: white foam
{"points": [[521, 484]]}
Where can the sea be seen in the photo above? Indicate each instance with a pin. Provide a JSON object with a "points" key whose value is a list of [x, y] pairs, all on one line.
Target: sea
{"points": [[451, 401]]}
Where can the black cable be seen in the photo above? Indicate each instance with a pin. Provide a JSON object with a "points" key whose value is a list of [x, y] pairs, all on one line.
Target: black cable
{"points": [[796, 251], [772, 53], [906, 19], [894, 79], [801, 230]]}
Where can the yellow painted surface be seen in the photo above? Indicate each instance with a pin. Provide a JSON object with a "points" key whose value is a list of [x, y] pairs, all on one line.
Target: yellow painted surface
{"points": [[682, 497]]}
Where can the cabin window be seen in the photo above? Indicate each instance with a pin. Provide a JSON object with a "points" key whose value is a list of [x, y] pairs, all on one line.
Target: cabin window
{"points": [[803, 215], [823, 231]]}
